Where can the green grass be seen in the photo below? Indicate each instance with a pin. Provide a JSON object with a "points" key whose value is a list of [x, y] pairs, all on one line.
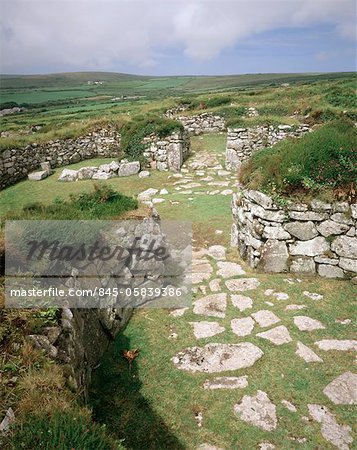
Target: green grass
{"points": [[62, 431], [100, 203], [159, 401], [316, 163]]}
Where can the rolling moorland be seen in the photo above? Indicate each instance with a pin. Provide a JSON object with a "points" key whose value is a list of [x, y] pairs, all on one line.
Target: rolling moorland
{"points": [[156, 405]]}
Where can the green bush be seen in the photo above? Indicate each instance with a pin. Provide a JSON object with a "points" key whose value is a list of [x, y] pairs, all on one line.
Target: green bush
{"points": [[324, 159], [344, 97], [61, 431], [133, 133]]}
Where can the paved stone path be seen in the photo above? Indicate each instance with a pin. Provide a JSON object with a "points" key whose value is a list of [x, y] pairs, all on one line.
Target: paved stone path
{"points": [[212, 275]]}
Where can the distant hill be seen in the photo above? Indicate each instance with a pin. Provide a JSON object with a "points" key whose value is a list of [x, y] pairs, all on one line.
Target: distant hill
{"points": [[177, 83]]}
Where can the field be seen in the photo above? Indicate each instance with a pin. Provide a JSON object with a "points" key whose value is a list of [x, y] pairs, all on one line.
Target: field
{"points": [[58, 104]]}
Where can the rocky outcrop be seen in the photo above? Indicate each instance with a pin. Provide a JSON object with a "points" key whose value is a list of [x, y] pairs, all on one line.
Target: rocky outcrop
{"points": [[313, 239], [243, 142]]}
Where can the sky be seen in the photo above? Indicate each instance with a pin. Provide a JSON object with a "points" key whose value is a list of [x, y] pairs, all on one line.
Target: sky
{"points": [[177, 37]]}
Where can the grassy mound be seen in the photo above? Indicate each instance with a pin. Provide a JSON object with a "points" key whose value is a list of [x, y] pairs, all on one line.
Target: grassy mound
{"points": [[133, 133], [323, 162]]}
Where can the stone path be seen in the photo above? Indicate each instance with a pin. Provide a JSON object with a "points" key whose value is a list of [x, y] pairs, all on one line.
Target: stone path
{"points": [[224, 289]]}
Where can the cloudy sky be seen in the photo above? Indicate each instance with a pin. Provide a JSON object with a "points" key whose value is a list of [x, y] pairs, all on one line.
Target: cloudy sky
{"points": [[168, 37]]}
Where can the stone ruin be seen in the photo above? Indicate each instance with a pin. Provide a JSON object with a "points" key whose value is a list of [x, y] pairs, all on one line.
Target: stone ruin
{"points": [[243, 142], [314, 238]]}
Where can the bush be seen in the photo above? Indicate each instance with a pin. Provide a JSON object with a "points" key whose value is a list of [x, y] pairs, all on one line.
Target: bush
{"points": [[133, 133], [325, 159], [61, 431], [344, 97]]}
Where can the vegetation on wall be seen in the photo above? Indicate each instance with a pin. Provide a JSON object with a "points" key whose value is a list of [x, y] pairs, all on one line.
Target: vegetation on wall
{"points": [[133, 133], [324, 161]]}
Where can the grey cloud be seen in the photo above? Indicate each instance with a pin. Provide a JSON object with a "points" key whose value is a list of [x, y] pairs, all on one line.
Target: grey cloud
{"points": [[103, 33]]}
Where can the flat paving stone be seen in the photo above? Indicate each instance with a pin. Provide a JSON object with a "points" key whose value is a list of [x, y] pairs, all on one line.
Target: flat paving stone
{"points": [[208, 447], [266, 446], [241, 302], [214, 305], [229, 269], [277, 295], [343, 345], [242, 327], [294, 307], [226, 383], [201, 270], [306, 353], [257, 410], [265, 318], [277, 336], [178, 312], [215, 285], [289, 406], [313, 295], [338, 435], [305, 323], [218, 357], [217, 252], [242, 284], [206, 329], [343, 389]]}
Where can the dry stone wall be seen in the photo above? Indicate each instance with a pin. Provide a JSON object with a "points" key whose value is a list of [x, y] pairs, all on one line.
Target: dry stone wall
{"points": [[243, 142], [202, 123], [315, 238], [16, 164], [167, 153]]}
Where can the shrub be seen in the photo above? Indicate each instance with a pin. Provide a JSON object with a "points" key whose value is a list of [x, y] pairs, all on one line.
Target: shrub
{"points": [[325, 159], [343, 97], [133, 133]]}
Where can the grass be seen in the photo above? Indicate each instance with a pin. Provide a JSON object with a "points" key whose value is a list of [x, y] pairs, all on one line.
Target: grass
{"points": [[320, 97], [100, 203], [318, 163], [155, 397]]}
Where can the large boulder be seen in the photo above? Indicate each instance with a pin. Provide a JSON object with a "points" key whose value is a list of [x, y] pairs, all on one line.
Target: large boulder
{"points": [[274, 257], [68, 175], [129, 168], [304, 231], [345, 246], [313, 247]]}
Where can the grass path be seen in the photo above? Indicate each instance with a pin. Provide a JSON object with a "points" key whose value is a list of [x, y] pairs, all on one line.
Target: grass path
{"points": [[161, 406]]}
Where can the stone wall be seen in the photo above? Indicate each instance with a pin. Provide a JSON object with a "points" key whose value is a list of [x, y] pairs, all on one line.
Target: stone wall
{"points": [[243, 142], [167, 153], [203, 123], [163, 154], [315, 238], [16, 164], [83, 335]]}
